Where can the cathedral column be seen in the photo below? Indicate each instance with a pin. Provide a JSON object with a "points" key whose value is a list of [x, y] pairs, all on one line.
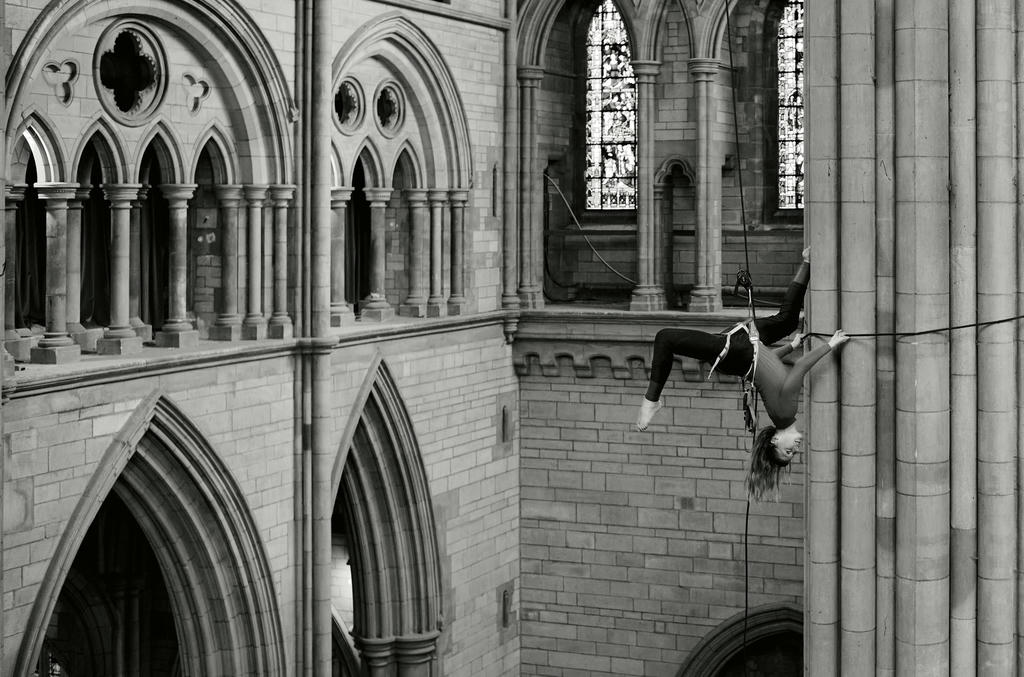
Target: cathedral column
{"points": [[341, 312], [375, 306], [17, 341], [435, 302], [120, 337], [56, 346], [648, 294], [419, 230], [457, 298], [254, 326], [531, 290], [177, 331], [664, 241], [280, 320], [136, 268], [228, 325], [74, 303], [706, 295]]}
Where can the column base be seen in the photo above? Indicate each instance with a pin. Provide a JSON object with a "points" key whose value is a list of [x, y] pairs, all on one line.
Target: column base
{"points": [[649, 298], [413, 309], [438, 309], [56, 354], [280, 330], [254, 332], [178, 339], [457, 306], [531, 298], [87, 338], [342, 316], [704, 300], [119, 346], [226, 332], [21, 348], [378, 314], [142, 330], [9, 368]]}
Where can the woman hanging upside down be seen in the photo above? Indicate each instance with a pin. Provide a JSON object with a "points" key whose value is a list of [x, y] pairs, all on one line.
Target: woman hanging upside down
{"points": [[733, 353]]}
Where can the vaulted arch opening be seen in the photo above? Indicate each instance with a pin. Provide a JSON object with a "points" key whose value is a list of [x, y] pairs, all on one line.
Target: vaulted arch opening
{"points": [[385, 537]]}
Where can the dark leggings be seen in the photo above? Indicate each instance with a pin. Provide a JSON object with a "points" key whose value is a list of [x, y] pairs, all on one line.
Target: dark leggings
{"points": [[706, 347]]}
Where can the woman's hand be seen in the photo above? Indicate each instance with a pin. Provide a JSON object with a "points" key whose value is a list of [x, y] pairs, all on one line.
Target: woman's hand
{"points": [[797, 340], [807, 254], [838, 339]]}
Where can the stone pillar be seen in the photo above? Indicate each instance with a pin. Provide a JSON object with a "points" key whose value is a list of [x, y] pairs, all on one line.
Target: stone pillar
{"points": [[280, 320], [254, 326], [341, 312], [56, 346], [228, 325], [120, 337], [177, 330], [457, 298], [419, 240], [531, 289], [135, 267], [435, 302], [858, 304], [648, 293], [74, 303], [706, 295], [17, 341], [998, 168], [267, 274], [663, 240], [375, 306]]}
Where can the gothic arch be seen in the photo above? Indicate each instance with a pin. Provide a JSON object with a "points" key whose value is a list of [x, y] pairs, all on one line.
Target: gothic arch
{"points": [[655, 26], [34, 135], [537, 17], [408, 161], [664, 172], [166, 148], [202, 533], [221, 155], [109, 149], [415, 60], [373, 166], [222, 32], [396, 567], [725, 641]]}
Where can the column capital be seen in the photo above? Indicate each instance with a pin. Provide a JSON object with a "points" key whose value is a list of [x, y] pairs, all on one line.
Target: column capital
{"points": [[459, 197], [56, 191], [339, 195], [177, 192], [255, 193], [377, 194], [83, 193], [436, 196], [282, 192], [141, 196], [14, 192], [228, 193], [415, 196], [646, 68], [121, 194], [530, 76], [704, 68]]}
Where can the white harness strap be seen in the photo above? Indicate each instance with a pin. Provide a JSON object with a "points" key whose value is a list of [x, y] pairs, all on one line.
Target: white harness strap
{"points": [[725, 351]]}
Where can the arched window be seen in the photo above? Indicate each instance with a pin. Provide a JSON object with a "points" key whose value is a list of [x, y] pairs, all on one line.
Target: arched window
{"points": [[610, 174], [790, 88]]}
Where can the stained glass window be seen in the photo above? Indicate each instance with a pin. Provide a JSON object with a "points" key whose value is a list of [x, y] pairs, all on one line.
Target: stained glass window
{"points": [[611, 113], [791, 106]]}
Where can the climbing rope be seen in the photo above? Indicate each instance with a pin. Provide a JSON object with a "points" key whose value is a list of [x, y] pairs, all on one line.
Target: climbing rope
{"points": [[584, 233]]}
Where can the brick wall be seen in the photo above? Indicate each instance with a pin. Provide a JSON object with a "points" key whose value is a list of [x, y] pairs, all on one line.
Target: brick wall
{"points": [[632, 542]]}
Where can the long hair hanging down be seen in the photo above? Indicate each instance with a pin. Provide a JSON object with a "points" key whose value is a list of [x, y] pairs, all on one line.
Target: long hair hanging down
{"points": [[765, 470]]}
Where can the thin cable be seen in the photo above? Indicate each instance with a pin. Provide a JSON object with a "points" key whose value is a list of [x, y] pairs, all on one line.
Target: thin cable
{"points": [[736, 136], [938, 330], [584, 233]]}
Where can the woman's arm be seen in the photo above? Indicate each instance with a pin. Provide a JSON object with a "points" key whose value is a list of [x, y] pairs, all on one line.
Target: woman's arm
{"points": [[796, 375]]}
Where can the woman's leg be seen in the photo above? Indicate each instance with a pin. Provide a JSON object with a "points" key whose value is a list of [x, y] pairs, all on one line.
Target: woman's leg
{"points": [[784, 322], [686, 342]]}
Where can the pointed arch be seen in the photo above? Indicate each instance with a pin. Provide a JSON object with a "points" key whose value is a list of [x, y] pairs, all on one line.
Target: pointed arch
{"points": [[109, 149], [538, 17], [166, 147], [664, 172], [415, 60], [655, 26], [408, 161], [380, 476], [197, 522], [221, 32], [221, 153], [373, 166], [724, 642], [35, 135]]}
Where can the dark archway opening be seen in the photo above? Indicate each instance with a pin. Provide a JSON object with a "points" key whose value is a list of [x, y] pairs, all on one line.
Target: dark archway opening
{"points": [[357, 268], [155, 247], [779, 655]]}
